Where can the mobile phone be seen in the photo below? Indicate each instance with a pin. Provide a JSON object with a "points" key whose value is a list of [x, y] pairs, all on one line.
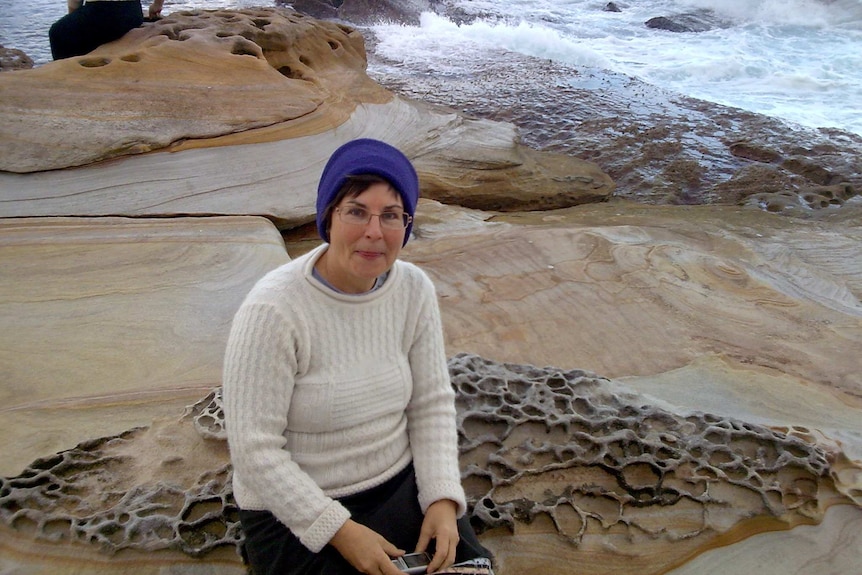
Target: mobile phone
{"points": [[413, 562]]}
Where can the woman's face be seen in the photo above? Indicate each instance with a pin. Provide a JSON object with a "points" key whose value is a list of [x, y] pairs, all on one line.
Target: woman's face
{"points": [[358, 254]]}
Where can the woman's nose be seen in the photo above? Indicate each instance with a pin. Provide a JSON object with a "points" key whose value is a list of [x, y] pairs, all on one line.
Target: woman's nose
{"points": [[373, 227]]}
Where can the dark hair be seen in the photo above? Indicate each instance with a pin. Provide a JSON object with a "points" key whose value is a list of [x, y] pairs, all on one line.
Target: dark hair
{"points": [[352, 187]]}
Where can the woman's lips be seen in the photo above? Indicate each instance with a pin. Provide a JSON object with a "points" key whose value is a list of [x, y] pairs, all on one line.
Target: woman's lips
{"points": [[368, 255]]}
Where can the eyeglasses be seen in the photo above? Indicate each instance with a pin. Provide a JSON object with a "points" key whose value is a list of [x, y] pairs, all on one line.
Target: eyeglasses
{"points": [[391, 220]]}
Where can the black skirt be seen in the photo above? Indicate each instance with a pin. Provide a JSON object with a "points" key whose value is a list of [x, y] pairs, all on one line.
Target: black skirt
{"points": [[391, 509]]}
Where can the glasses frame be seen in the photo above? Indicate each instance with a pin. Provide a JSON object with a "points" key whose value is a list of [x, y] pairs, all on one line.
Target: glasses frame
{"points": [[406, 219]]}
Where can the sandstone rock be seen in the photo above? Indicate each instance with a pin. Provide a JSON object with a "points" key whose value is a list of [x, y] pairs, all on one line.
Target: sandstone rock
{"points": [[313, 77], [190, 75], [731, 311], [570, 462], [115, 316], [550, 457], [757, 179], [696, 306], [14, 59], [481, 159], [623, 290]]}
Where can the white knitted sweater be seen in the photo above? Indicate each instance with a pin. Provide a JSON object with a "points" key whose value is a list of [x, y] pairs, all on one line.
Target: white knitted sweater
{"points": [[328, 394]]}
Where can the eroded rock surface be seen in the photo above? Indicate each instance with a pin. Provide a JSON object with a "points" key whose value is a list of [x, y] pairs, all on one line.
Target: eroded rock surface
{"points": [[477, 163], [292, 78], [624, 290], [545, 452], [108, 321], [194, 74], [751, 316], [659, 147]]}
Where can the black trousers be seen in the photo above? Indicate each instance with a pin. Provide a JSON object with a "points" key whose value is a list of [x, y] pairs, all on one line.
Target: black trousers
{"points": [[391, 509], [93, 24]]}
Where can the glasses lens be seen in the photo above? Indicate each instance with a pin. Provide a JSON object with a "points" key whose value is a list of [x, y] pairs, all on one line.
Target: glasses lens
{"points": [[355, 216], [360, 217], [393, 220]]}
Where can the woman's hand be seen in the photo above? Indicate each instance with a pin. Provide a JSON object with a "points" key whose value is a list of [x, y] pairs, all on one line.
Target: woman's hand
{"points": [[365, 549], [440, 524]]}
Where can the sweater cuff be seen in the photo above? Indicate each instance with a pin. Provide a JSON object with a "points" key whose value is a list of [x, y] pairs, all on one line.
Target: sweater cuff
{"points": [[325, 527], [443, 490]]}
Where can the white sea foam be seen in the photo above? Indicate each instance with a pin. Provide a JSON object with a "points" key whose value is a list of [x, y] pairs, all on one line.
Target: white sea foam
{"points": [[439, 38], [800, 60], [781, 12]]}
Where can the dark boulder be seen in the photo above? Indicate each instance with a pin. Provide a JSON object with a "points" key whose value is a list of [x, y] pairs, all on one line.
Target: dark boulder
{"points": [[701, 21], [13, 59]]}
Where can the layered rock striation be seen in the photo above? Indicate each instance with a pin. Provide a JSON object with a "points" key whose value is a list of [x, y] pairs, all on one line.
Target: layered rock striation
{"points": [[701, 408], [280, 92]]}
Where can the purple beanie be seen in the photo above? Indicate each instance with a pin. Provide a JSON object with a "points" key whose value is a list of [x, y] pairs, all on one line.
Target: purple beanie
{"points": [[364, 157]]}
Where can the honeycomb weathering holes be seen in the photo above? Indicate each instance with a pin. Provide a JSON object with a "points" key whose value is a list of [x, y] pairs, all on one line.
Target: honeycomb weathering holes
{"points": [[565, 445]]}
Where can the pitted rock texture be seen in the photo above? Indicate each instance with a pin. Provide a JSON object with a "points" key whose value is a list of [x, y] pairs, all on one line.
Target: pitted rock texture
{"points": [[107, 493], [245, 68], [589, 454], [595, 457], [208, 416]]}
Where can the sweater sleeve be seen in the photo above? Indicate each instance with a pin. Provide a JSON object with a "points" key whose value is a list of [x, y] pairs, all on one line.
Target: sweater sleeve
{"points": [[431, 417], [258, 381]]}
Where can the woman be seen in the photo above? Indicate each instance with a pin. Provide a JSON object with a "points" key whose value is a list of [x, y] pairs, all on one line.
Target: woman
{"points": [[96, 22], [338, 406]]}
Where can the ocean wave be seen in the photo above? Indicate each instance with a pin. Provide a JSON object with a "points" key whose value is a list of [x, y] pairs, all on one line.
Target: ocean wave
{"points": [[817, 13], [440, 35]]}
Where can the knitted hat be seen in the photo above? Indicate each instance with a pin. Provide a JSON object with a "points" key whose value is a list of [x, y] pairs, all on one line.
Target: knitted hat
{"points": [[364, 157]]}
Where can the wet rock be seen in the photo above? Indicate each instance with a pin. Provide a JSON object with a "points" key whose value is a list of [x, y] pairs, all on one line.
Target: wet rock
{"points": [[700, 21], [811, 171], [612, 7], [315, 8], [14, 59], [641, 135], [757, 179], [753, 152], [363, 12]]}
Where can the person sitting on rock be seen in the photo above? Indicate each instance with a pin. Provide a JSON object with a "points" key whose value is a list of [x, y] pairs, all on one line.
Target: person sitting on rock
{"points": [[95, 22], [339, 411]]}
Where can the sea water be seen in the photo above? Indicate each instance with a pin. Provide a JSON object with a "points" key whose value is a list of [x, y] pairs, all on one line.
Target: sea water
{"points": [[798, 60]]}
